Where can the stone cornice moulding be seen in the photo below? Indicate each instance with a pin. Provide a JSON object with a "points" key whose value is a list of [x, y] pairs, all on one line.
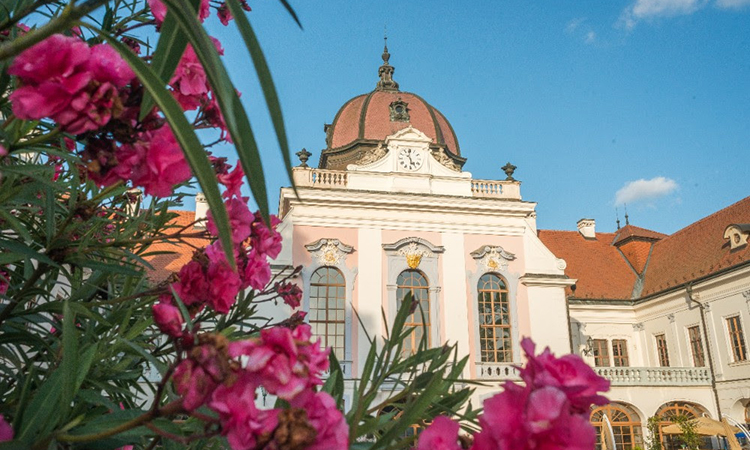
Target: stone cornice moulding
{"points": [[406, 225], [401, 243], [409, 134], [541, 279]]}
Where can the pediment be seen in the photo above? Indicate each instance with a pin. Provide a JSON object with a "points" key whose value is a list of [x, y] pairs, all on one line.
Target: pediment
{"points": [[409, 134]]}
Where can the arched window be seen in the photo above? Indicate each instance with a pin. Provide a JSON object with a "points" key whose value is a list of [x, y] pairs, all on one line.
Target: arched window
{"points": [[415, 282], [327, 308], [626, 425], [668, 412], [495, 342]]}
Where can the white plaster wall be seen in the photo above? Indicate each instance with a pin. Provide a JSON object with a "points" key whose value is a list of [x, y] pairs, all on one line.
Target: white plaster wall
{"points": [[549, 318], [456, 322], [370, 293]]}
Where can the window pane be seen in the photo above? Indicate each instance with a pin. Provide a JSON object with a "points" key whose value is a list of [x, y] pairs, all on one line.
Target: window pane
{"points": [[493, 313]]}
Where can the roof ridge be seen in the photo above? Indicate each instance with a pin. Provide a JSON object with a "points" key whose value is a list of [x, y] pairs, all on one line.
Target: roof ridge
{"points": [[704, 219]]}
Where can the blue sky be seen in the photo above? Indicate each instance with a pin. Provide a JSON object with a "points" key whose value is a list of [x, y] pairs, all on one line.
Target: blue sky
{"points": [[597, 103]]}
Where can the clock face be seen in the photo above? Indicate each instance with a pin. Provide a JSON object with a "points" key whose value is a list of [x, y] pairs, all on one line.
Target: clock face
{"points": [[410, 159]]}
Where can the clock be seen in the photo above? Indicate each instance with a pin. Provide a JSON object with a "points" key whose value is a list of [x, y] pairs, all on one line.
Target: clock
{"points": [[410, 159]]}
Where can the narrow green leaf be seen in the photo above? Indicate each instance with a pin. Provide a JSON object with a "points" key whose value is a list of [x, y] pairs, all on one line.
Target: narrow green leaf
{"points": [[169, 50], [39, 416], [232, 110], [291, 12], [17, 247], [185, 135], [69, 364], [266, 81]]}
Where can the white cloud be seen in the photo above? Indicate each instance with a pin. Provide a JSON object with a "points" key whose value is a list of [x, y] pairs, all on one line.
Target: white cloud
{"points": [[648, 9], [634, 191], [574, 24], [590, 37], [732, 4]]}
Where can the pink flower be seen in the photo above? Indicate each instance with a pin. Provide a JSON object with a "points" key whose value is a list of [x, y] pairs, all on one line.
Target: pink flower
{"points": [[224, 14], [193, 287], [329, 423], [4, 282], [159, 10], [189, 77], [168, 317], [232, 181], [266, 241], [286, 361], [442, 434], [77, 86], [224, 283], [195, 379], [240, 219], [163, 165], [290, 293], [257, 271], [241, 422], [568, 373], [6, 431]]}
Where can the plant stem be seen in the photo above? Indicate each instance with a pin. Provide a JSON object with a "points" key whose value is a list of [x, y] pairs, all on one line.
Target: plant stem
{"points": [[37, 139], [56, 25]]}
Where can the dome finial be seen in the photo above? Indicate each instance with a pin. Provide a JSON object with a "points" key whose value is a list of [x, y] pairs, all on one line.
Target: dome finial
{"points": [[385, 72]]}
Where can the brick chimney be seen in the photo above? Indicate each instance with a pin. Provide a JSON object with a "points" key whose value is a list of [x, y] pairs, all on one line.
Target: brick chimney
{"points": [[587, 228]]}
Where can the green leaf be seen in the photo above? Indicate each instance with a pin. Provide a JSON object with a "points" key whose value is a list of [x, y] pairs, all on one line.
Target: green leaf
{"points": [[17, 247], [290, 11], [185, 134], [40, 416], [169, 50], [266, 81], [69, 364], [232, 110]]}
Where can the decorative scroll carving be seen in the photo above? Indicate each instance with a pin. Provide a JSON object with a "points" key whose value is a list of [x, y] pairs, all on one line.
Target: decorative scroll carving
{"points": [[492, 257], [671, 318], [373, 155], [637, 327], [441, 157], [414, 254], [329, 252], [413, 249]]}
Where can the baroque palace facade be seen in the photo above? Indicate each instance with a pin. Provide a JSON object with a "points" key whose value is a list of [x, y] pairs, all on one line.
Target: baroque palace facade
{"points": [[390, 210]]}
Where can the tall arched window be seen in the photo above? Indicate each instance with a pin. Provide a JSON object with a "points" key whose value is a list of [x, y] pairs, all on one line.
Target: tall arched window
{"points": [[625, 424], [495, 341], [415, 282], [327, 308]]}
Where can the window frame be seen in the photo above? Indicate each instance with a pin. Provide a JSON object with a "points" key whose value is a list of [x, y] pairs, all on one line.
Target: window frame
{"points": [[503, 292], [624, 356], [325, 342], [695, 342], [600, 350], [662, 351], [736, 339], [413, 341]]}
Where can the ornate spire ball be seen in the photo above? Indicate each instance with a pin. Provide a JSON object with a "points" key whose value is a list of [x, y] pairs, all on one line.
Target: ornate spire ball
{"points": [[386, 82]]}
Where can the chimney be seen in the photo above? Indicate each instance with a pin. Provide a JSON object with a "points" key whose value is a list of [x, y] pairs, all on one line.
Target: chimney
{"points": [[201, 209], [587, 228]]}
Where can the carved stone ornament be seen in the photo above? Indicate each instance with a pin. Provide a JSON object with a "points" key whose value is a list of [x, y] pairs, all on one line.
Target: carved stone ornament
{"points": [[492, 258], [444, 159], [413, 249], [373, 155], [637, 327], [329, 252], [414, 254], [561, 264], [399, 111], [671, 318]]}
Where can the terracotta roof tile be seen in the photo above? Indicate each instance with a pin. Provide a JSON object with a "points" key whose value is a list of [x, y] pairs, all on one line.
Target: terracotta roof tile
{"points": [[600, 269], [697, 250], [175, 254], [637, 253]]}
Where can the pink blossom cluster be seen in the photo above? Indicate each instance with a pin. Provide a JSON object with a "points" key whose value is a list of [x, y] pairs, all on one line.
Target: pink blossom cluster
{"points": [[4, 282], [159, 10], [290, 293], [224, 376], [75, 85], [550, 411], [92, 92]]}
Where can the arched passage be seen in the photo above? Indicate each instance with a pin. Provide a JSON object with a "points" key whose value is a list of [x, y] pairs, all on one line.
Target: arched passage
{"points": [[668, 411], [626, 425]]}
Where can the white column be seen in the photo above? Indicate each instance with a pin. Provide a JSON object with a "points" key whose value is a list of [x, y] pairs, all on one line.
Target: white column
{"points": [[370, 297], [454, 316]]}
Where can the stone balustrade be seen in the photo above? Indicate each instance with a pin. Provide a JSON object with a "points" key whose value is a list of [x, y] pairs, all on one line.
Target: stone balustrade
{"points": [[321, 178], [497, 371], [655, 376]]}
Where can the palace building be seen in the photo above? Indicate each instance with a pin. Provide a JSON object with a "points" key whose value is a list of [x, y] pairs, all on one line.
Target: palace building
{"points": [[390, 210]]}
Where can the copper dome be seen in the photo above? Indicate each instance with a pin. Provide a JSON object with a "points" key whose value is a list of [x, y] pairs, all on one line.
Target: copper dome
{"points": [[366, 120]]}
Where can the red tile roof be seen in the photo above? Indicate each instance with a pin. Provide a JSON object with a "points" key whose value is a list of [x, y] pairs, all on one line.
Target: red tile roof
{"points": [[600, 269], [175, 254], [695, 251]]}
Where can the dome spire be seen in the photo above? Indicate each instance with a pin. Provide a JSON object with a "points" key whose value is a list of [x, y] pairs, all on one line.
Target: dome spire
{"points": [[386, 82]]}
